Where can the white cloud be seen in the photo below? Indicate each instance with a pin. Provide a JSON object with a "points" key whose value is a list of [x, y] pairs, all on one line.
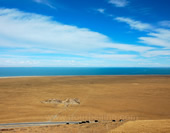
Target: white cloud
{"points": [[164, 23], [129, 47], [45, 2], [159, 37], [156, 36], [157, 53], [32, 33], [119, 3], [28, 30], [101, 10], [114, 56], [137, 25], [154, 41], [108, 60]]}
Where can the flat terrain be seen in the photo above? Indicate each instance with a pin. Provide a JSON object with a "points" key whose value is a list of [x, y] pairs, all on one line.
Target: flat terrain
{"points": [[101, 97]]}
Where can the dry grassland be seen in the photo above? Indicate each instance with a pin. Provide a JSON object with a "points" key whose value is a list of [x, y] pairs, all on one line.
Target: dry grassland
{"points": [[101, 97]]}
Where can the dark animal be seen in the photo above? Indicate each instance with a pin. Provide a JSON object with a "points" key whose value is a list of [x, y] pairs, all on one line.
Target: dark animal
{"points": [[96, 121]]}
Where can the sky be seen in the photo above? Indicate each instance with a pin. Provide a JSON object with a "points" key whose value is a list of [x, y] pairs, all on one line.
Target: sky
{"points": [[84, 33]]}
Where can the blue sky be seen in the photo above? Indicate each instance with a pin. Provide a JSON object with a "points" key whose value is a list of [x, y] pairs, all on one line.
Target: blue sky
{"points": [[84, 33]]}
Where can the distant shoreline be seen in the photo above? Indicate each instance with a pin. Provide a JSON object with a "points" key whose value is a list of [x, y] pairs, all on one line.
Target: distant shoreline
{"points": [[79, 76]]}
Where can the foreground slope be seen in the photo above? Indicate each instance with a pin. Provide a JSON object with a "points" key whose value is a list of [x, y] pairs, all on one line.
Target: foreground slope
{"points": [[144, 126]]}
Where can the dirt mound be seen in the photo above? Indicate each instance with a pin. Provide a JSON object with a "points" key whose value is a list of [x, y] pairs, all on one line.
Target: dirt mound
{"points": [[67, 102], [71, 101]]}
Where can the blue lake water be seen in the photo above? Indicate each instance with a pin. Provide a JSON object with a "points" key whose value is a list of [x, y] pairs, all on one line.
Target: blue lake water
{"points": [[77, 71]]}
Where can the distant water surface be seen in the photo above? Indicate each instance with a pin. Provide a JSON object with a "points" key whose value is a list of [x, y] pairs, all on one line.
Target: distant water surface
{"points": [[77, 71]]}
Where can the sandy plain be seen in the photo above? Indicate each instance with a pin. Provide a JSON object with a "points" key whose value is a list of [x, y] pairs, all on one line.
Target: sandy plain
{"points": [[131, 98]]}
